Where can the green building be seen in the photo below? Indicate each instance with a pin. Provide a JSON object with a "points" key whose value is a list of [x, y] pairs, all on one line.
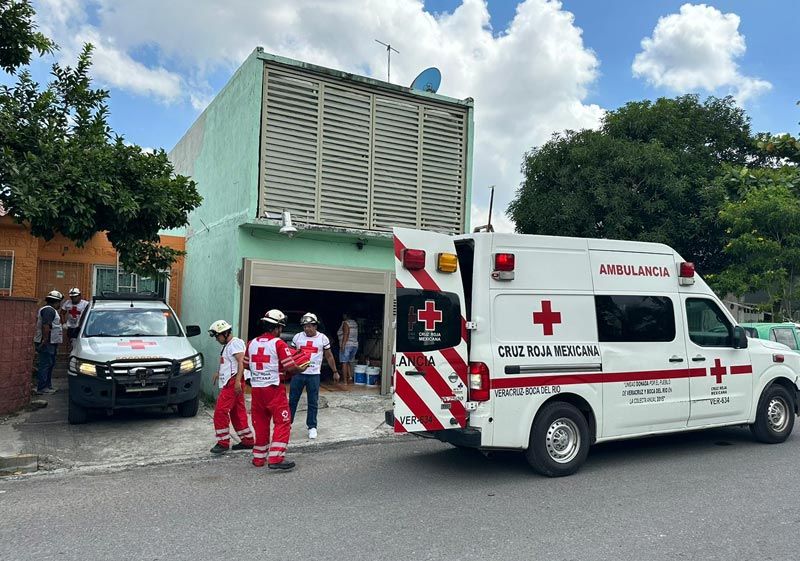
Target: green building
{"points": [[303, 172]]}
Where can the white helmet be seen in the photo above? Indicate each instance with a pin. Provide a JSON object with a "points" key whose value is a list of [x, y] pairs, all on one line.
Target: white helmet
{"points": [[219, 327], [75, 291], [309, 318], [54, 295], [274, 317]]}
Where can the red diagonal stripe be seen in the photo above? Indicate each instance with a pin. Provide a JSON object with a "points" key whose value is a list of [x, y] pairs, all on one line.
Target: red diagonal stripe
{"points": [[398, 427], [455, 359], [415, 404], [421, 276], [440, 386]]}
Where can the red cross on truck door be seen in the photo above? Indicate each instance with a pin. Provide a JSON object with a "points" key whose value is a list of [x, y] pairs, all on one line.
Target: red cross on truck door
{"points": [[547, 318], [718, 371], [430, 316]]}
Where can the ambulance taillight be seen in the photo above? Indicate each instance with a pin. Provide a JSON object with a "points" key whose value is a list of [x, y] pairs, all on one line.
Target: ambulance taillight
{"points": [[478, 381], [686, 273], [413, 259], [504, 264]]}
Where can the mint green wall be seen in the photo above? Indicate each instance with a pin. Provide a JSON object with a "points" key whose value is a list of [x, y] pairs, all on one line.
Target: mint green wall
{"points": [[221, 153]]}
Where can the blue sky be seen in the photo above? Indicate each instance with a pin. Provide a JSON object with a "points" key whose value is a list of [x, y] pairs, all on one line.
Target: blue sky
{"points": [[538, 69]]}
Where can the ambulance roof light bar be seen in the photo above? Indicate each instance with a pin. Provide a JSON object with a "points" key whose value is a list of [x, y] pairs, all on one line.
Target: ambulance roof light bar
{"points": [[686, 273]]}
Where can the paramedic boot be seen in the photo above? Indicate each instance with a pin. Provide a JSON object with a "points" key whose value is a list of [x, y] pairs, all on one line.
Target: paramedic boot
{"points": [[242, 446], [219, 449], [285, 465]]}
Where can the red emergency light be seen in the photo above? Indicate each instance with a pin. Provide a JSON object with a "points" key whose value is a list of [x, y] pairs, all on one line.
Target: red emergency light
{"points": [[413, 259], [503, 266], [686, 273], [479, 386]]}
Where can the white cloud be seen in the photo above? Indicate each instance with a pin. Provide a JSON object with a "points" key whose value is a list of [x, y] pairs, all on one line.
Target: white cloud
{"points": [[500, 221], [694, 49], [528, 80]]}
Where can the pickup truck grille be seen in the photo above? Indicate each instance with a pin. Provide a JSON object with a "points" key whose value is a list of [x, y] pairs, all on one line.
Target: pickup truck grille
{"points": [[153, 373]]}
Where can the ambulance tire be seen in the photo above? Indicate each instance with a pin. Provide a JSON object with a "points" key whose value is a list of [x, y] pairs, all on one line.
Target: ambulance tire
{"points": [[559, 430], [189, 408], [775, 415]]}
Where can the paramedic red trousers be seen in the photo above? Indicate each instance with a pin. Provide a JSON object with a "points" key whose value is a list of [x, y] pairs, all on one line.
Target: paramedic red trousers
{"points": [[230, 409], [270, 405]]}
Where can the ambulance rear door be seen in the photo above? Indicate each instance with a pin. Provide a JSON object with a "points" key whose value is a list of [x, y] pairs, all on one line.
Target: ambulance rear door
{"points": [[430, 363]]}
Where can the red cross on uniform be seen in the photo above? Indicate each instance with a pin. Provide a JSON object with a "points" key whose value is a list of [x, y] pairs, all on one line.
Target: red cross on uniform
{"points": [[718, 370], [547, 318], [137, 345], [309, 346], [260, 359], [430, 315], [74, 312]]}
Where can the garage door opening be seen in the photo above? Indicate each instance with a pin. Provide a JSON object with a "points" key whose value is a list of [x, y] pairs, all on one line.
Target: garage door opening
{"points": [[366, 309]]}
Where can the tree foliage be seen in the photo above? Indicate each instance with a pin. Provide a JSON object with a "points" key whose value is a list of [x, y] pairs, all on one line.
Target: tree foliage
{"points": [[18, 35], [649, 173], [63, 170]]}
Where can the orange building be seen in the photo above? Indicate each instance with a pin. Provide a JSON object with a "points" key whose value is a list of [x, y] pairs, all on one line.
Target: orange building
{"points": [[31, 267]]}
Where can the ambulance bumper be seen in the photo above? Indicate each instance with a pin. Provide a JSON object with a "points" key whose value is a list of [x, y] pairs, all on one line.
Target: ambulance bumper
{"points": [[467, 437]]}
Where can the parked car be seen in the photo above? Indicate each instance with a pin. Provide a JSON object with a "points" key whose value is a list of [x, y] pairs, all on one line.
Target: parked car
{"points": [[786, 333], [132, 351]]}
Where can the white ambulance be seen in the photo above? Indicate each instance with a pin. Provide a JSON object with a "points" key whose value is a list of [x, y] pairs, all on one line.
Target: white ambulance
{"points": [[550, 344]]}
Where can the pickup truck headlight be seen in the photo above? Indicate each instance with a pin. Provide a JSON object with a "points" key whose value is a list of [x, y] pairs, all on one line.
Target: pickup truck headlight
{"points": [[191, 364], [78, 366]]}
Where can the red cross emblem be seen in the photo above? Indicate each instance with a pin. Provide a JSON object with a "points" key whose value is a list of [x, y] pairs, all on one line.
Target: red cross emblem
{"points": [[718, 370], [309, 346], [260, 359], [137, 345], [430, 315], [73, 311], [547, 318]]}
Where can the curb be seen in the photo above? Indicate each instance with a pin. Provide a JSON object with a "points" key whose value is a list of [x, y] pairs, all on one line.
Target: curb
{"points": [[19, 464], [300, 449]]}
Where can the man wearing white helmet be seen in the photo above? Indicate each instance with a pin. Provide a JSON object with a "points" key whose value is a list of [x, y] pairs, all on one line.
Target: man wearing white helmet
{"points": [[317, 345], [266, 357], [230, 408], [47, 338], [71, 312]]}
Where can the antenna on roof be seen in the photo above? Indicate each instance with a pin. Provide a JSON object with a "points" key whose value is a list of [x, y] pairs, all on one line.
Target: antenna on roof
{"points": [[389, 50], [488, 226]]}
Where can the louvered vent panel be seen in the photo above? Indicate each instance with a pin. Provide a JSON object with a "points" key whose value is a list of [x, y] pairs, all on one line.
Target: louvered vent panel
{"points": [[344, 189], [289, 144], [395, 164], [443, 162]]}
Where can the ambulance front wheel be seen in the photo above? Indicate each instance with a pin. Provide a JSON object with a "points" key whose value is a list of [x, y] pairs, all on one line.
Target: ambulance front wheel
{"points": [[775, 415], [559, 440]]}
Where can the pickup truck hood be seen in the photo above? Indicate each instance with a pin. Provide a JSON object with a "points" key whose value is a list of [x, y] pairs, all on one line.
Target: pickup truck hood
{"points": [[104, 349]]}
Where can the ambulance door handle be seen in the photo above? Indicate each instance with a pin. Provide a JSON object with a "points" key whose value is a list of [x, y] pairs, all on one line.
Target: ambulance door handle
{"points": [[414, 373], [676, 359], [698, 358]]}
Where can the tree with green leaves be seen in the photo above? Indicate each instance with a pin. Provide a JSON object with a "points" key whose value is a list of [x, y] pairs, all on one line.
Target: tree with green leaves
{"points": [[63, 170], [648, 173]]}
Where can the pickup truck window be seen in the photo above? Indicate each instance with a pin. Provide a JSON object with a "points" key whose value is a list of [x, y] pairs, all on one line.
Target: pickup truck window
{"points": [[131, 323], [784, 335]]}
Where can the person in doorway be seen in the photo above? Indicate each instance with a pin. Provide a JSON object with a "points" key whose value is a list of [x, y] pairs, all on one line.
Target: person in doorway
{"points": [[266, 357], [230, 408], [47, 337], [348, 346], [317, 345], [71, 312]]}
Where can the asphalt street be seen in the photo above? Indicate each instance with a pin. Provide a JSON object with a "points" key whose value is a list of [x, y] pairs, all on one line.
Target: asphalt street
{"points": [[704, 496]]}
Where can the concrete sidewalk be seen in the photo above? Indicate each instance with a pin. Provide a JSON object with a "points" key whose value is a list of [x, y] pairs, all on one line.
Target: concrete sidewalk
{"points": [[43, 440]]}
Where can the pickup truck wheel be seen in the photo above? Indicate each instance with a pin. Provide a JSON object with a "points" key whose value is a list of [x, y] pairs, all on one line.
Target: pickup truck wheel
{"points": [[559, 440], [189, 408], [775, 415], [76, 414]]}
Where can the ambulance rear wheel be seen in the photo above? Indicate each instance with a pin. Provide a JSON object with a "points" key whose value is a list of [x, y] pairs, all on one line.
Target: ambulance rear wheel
{"points": [[559, 440], [775, 415]]}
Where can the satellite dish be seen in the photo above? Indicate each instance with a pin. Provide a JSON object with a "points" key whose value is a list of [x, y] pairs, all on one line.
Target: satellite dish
{"points": [[428, 80]]}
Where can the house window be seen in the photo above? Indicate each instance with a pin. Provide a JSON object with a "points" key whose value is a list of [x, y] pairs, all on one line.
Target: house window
{"points": [[6, 272], [111, 279]]}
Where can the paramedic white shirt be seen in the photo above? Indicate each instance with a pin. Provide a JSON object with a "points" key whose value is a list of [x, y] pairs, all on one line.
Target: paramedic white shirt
{"points": [[74, 312], [314, 346], [228, 366]]}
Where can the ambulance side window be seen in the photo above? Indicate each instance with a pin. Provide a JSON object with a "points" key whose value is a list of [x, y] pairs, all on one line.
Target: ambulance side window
{"points": [[708, 326], [427, 320], [635, 319]]}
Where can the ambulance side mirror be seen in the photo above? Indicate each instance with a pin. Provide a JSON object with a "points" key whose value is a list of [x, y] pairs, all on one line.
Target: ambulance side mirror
{"points": [[739, 337], [192, 330]]}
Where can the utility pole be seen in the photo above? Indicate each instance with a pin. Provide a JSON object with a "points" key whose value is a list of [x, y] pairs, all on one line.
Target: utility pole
{"points": [[389, 50]]}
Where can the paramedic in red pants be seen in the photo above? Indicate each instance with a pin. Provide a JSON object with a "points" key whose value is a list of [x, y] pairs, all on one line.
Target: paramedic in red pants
{"points": [[230, 403], [266, 357]]}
